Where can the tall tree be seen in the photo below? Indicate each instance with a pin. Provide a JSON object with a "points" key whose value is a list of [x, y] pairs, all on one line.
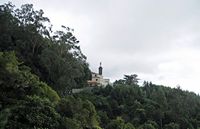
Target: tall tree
{"points": [[55, 57], [131, 79]]}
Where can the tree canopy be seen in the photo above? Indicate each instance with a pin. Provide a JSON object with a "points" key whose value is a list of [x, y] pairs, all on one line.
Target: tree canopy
{"points": [[55, 57]]}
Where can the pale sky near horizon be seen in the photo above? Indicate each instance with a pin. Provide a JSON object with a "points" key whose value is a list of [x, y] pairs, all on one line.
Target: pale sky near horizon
{"points": [[158, 40]]}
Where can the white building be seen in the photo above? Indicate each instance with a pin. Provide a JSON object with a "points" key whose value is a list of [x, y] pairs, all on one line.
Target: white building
{"points": [[97, 78]]}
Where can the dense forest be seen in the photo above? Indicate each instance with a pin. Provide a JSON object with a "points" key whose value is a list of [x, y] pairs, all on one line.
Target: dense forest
{"points": [[39, 67]]}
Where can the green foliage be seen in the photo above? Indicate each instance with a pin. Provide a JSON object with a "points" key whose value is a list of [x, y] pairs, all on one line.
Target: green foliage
{"points": [[81, 110], [129, 126], [71, 123], [131, 79], [27, 102], [39, 68], [147, 126], [104, 119], [150, 106], [172, 126], [55, 57], [119, 123], [4, 114], [33, 112], [17, 81], [24, 99], [46, 91], [128, 80]]}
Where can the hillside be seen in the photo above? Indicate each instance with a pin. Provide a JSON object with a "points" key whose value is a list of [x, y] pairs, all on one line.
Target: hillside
{"points": [[39, 68], [147, 107]]}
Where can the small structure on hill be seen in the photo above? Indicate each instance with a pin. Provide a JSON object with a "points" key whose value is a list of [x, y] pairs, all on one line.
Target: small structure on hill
{"points": [[97, 78]]}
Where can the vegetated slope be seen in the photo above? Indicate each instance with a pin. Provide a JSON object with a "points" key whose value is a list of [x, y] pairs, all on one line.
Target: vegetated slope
{"points": [[147, 107], [28, 103], [31, 52], [39, 68], [55, 57]]}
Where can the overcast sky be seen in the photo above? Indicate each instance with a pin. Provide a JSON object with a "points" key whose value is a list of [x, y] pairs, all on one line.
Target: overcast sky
{"points": [[157, 39]]}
